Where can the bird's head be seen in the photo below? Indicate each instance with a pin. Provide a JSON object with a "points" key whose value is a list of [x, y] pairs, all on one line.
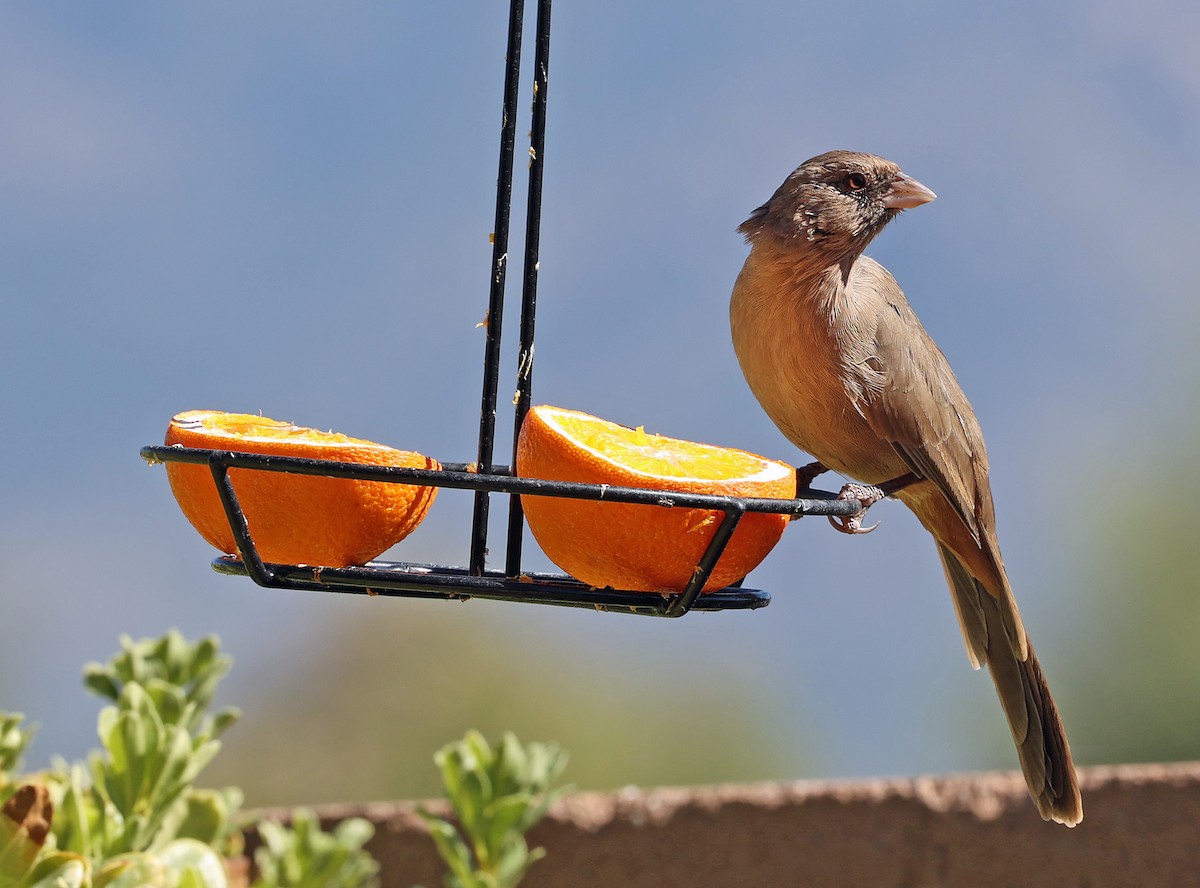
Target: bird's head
{"points": [[836, 202]]}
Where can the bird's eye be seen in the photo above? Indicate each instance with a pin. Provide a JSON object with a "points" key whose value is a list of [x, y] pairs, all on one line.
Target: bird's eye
{"points": [[856, 181]]}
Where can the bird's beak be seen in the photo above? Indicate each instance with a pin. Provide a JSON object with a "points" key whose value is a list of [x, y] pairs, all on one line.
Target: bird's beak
{"points": [[906, 193]]}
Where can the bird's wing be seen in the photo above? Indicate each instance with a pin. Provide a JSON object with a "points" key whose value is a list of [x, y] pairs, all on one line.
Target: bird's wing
{"points": [[919, 407]]}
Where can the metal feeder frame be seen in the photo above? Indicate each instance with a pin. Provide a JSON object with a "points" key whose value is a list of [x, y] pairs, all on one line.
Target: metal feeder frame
{"points": [[413, 580]]}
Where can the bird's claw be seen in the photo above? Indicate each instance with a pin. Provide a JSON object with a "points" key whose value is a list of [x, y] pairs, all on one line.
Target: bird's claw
{"points": [[866, 497], [851, 525]]}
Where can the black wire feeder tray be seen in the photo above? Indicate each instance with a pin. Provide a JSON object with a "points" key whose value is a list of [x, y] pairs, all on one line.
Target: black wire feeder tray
{"points": [[414, 580]]}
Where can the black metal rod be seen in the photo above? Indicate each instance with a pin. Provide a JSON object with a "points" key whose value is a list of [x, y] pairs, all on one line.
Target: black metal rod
{"points": [[417, 581], [499, 481], [712, 554], [495, 316], [533, 230], [238, 523], [451, 583], [448, 583]]}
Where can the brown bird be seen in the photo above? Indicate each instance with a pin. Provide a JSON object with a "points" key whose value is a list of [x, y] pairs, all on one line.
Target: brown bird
{"points": [[840, 362]]}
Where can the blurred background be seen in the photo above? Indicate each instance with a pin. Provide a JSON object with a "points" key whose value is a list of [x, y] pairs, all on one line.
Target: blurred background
{"points": [[285, 207]]}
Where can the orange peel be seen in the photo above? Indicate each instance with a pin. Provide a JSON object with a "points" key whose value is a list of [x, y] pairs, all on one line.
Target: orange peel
{"points": [[297, 519]]}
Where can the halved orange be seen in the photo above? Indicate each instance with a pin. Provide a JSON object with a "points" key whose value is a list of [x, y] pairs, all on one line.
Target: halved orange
{"points": [[297, 519], [643, 548]]}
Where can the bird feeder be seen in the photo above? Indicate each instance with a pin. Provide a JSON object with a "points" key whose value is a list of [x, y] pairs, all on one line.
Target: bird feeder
{"points": [[486, 478]]}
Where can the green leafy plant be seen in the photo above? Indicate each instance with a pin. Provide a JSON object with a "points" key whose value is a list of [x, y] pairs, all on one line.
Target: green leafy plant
{"points": [[130, 817], [496, 794], [303, 856], [135, 795], [181, 679]]}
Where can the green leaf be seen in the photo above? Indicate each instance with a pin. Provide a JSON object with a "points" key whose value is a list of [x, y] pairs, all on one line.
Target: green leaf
{"points": [[60, 869], [100, 681], [176, 765], [476, 791], [140, 742], [504, 817], [453, 850], [13, 740], [477, 754], [202, 754], [106, 727], [207, 814], [175, 654], [133, 660], [221, 721], [204, 654], [169, 699], [18, 851], [538, 809], [515, 862], [131, 871], [466, 784], [354, 832], [196, 864], [511, 765], [77, 815]]}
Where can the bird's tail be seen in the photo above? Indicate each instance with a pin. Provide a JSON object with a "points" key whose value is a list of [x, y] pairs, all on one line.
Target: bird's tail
{"points": [[1032, 716]]}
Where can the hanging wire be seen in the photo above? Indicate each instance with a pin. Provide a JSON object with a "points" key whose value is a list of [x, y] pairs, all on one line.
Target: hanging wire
{"points": [[533, 235], [494, 320]]}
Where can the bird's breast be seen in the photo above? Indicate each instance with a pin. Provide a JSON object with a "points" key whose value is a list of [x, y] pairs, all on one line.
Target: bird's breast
{"points": [[807, 359]]}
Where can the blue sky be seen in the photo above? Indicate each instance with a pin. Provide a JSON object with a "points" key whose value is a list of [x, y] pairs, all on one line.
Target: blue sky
{"points": [[285, 208]]}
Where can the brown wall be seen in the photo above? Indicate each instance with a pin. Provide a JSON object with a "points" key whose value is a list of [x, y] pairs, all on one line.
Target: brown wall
{"points": [[1141, 828]]}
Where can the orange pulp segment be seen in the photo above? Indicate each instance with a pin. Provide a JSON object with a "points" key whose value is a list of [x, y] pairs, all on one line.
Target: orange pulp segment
{"points": [[643, 547]]}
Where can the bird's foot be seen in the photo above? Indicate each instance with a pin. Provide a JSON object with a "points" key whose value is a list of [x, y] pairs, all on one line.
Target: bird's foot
{"points": [[866, 496], [807, 474]]}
